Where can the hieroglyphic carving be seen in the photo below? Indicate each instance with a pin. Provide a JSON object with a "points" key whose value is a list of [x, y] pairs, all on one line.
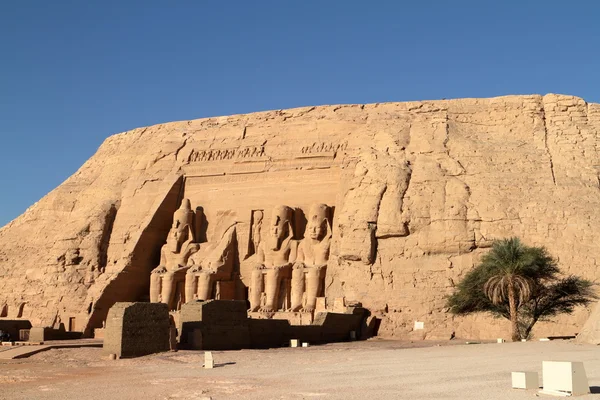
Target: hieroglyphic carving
{"points": [[308, 274], [255, 234], [275, 256], [324, 147], [226, 154], [174, 256]]}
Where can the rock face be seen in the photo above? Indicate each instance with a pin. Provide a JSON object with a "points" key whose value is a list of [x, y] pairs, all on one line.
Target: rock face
{"points": [[590, 332], [417, 191]]}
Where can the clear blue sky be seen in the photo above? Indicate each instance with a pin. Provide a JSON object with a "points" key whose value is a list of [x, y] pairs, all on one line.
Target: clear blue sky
{"points": [[74, 72]]}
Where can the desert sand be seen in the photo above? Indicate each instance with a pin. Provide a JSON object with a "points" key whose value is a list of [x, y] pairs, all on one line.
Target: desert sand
{"points": [[375, 369]]}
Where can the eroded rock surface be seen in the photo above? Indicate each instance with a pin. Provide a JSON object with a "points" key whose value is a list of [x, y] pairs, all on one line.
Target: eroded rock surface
{"points": [[418, 190]]}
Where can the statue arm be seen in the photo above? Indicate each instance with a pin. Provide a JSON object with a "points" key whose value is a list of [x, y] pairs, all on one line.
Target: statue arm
{"points": [[260, 257], [296, 253], [163, 257], [225, 243]]}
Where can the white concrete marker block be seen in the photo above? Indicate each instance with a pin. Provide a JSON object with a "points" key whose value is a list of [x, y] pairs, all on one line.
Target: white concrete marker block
{"points": [[304, 344], [525, 380], [523, 340], [565, 376], [419, 325], [500, 340], [294, 343], [209, 361]]}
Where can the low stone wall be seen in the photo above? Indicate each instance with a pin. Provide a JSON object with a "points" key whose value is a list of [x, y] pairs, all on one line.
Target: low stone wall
{"points": [[214, 325], [13, 326], [137, 329], [224, 325], [40, 334]]}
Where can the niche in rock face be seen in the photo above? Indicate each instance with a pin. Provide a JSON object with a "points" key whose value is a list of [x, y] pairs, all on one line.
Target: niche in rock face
{"points": [[133, 282]]}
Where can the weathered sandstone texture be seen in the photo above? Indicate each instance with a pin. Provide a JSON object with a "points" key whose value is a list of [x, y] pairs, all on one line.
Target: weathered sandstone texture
{"points": [[417, 192], [137, 329], [590, 332]]}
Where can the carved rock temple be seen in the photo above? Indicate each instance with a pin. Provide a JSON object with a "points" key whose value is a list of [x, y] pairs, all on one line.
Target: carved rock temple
{"points": [[297, 211]]}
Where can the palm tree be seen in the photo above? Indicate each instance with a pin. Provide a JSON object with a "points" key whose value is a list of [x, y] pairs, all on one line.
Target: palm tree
{"points": [[519, 283], [509, 259]]}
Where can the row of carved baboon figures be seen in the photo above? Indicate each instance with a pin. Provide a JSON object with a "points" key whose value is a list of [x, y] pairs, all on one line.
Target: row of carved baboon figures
{"points": [[278, 259]]}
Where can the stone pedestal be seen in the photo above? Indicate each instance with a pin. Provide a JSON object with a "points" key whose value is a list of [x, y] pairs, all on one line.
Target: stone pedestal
{"points": [[525, 380], [214, 325], [137, 329], [566, 377], [294, 318]]}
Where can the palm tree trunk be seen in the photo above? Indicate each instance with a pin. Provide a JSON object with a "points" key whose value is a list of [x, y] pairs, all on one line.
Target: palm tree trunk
{"points": [[512, 305]]}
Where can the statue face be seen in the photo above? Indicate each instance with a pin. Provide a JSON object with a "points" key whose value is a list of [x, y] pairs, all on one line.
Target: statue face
{"points": [[316, 228], [280, 227], [277, 233], [177, 235], [317, 222]]}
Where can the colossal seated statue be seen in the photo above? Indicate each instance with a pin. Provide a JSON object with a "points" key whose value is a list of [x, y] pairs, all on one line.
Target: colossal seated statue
{"points": [[275, 256], [308, 274], [174, 256], [213, 263]]}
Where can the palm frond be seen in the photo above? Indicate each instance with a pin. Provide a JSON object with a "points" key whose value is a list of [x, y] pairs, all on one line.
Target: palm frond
{"points": [[540, 290]]}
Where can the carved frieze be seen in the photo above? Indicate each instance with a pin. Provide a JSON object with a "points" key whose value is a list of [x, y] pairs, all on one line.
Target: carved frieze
{"points": [[237, 153]]}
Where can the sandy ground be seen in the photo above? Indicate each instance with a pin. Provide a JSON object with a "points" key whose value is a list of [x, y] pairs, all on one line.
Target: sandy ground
{"points": [[375, 369]]}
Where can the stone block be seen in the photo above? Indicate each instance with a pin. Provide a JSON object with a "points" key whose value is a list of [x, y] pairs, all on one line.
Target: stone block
{"points": [[293, 342], [339, 305], [99, 333], [267, 333], [565, 376], [215, 325], [37, 334], [525, 380], [137, 329], [321, 305], [209, 361], [23, 335], [14, 327], [40, 334]]}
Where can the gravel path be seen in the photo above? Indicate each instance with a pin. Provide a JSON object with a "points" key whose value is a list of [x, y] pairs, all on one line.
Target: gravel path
{"points": [[375, 369]]}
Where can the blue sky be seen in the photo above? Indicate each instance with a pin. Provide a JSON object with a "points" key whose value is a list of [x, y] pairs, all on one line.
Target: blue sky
{"points": [[75, 72]]}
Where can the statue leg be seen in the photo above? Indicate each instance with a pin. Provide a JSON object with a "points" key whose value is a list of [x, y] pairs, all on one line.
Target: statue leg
{"points": [[204, 286], [190, 286], [167, 289], [297, 287], [256, 288], [313, 281], [155, 280], [272, 289]]}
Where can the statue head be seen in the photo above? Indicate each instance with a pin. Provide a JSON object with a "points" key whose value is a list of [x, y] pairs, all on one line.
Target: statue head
{"points": [[318, 222], [181, 230], [281, 226]]}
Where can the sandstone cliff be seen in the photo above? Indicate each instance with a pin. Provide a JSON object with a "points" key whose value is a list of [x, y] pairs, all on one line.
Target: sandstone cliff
{"points": [[419, 189]]}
